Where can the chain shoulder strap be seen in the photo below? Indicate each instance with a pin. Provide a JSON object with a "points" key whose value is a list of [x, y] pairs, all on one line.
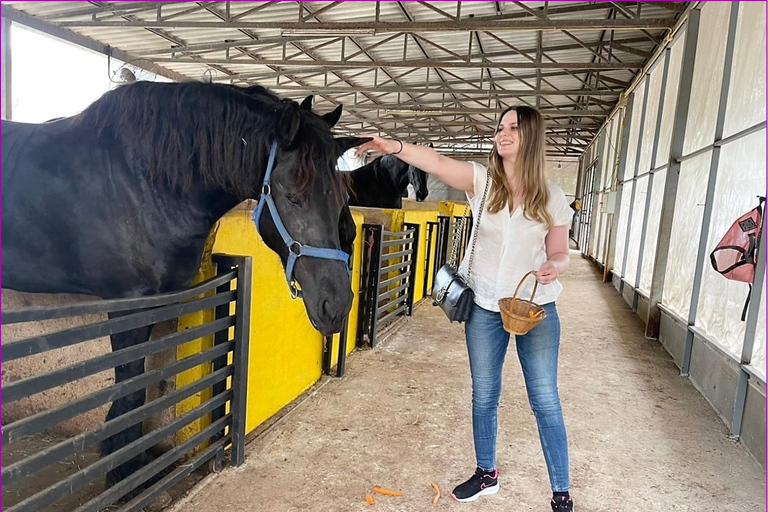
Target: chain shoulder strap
{"points": [[457, 231], [476, 228]]}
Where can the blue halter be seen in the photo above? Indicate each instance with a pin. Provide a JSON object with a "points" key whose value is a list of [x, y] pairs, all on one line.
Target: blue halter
{"points": [[295, 249]]}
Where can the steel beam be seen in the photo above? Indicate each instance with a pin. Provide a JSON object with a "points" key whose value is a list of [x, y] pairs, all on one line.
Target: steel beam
{"points": [[109, 9], [422, 63], [266, 41], [486, 93], [436, 111], [382, 27], [261, 76], [552, 129]]}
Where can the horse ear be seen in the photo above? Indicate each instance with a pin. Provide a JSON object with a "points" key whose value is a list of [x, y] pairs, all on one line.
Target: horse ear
{"points": [[345, 143], [307, 103], [288, 124], [333, 117]]}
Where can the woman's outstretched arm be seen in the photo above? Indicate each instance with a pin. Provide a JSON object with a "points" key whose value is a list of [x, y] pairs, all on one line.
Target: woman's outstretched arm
{"points": [[454, 173]]}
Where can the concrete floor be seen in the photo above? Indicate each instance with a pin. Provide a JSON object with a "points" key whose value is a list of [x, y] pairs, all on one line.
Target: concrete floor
{"points": [[641, 437]]}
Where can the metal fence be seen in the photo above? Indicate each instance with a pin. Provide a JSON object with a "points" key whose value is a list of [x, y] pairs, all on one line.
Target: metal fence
{"points": [[388, 278], [221, 426]]}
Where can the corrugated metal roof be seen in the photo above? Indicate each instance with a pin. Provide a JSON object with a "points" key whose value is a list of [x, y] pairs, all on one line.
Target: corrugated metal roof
{"points": [[414, 79]]}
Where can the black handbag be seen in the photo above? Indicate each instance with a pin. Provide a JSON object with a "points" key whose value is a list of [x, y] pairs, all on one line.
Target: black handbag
{"points": [[450, 289]]}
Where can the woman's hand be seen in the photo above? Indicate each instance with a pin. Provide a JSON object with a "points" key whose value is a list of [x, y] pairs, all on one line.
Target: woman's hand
{"points": [[379, 145], [547, 273]]}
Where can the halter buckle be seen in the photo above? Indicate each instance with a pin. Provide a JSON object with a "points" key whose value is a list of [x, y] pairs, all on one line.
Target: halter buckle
{"points": [[295, 292]]}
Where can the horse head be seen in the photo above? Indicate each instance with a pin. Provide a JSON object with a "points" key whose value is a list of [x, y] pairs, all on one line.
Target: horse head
{"points": [[308, 223], [418, 179]]}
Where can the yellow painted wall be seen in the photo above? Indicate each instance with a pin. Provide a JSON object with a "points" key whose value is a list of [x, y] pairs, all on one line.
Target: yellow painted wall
{"points": [[397, 219], [420, 217], [206, 271], [285, 351]]}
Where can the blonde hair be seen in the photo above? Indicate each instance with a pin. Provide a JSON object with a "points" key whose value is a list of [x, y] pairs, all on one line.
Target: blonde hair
{"points": [[529, 167]]}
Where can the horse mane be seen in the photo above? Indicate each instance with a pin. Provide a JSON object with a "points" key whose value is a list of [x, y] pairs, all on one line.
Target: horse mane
{"points": [[180, 133], [342, 180]]}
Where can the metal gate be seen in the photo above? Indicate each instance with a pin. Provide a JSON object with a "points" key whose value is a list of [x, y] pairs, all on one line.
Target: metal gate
{"points": [[440, 236], [221, 417], [388, 278]]}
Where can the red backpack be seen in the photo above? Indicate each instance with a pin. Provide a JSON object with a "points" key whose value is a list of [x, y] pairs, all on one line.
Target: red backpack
{"points": [[735, 256]]}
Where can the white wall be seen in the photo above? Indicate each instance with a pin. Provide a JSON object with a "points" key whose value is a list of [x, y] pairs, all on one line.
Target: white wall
{"points": [[740, 174]]}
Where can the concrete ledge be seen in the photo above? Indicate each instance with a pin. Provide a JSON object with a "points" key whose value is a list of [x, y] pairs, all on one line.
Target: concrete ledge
{"points": [[715, 377], [629, 294], [672, 337], [753, 423], [642, 307]]}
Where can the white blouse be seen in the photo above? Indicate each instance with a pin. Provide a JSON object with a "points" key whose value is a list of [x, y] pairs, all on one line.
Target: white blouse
{"points": [[509, 246]]}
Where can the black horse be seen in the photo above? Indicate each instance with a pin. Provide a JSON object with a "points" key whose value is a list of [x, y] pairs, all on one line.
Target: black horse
{"points": [[384, 182], [118, 201]]}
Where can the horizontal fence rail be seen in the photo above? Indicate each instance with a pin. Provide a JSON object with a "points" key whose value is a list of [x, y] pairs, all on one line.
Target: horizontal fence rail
{"points": [[217, 417]]}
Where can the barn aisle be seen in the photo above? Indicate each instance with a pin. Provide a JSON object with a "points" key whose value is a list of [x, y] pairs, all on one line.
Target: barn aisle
{"points": [[641, 437]]}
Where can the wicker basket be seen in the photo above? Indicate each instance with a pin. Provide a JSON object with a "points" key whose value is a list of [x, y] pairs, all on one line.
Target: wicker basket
{"points": [[519, 315]]}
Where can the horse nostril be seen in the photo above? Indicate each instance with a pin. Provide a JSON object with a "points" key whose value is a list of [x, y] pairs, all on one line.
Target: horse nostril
{"points": [[327, 309]]}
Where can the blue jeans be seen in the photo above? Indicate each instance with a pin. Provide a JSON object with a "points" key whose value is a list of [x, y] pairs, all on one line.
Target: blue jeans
{"points": [[487, 343]]}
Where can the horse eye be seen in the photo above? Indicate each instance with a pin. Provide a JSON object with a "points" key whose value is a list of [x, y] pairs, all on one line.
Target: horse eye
{"points": [[293, 199]]}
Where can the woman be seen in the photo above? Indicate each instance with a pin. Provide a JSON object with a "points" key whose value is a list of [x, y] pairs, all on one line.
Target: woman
{"points": [[524, 227]]}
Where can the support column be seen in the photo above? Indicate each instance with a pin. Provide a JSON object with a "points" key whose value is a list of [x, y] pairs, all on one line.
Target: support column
{"points": [[626, 122], [577, 195], [749, 337], [594, 221], [701, 257], [654, 151], [5, 73], [628, 234], [673, 175]]}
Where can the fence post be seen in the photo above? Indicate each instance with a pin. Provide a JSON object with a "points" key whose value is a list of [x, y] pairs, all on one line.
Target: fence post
{"points": [[428, 248], [412, 267], [377, 232], [327, 349], [362, 306], [220, 337], [441, 247], [341, 359], [244, 267]]}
